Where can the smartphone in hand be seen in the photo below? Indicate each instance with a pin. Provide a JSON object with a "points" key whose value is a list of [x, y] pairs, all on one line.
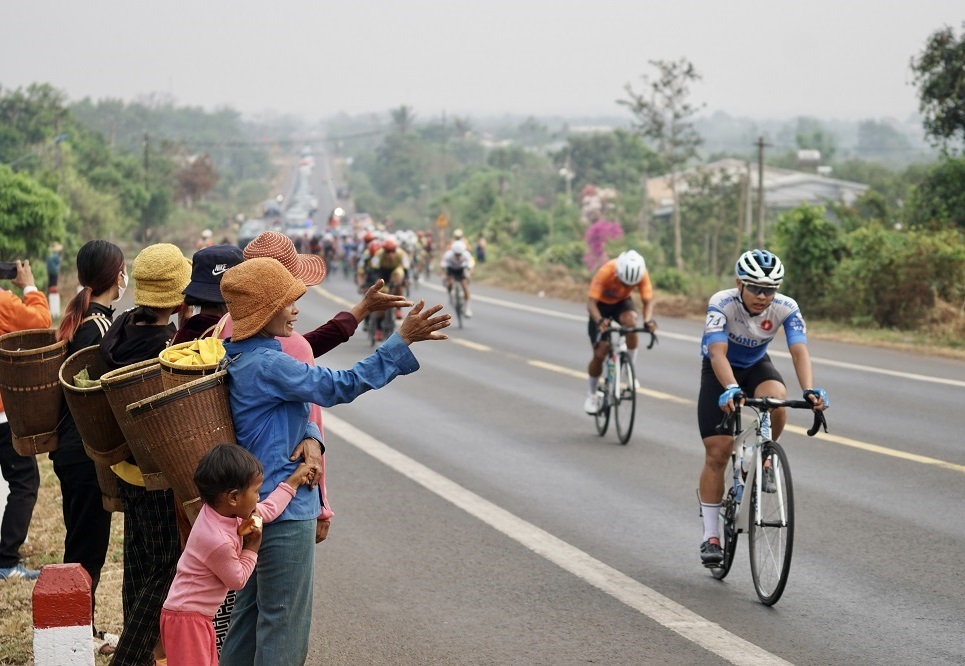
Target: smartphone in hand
{"points": [[8, 270]]}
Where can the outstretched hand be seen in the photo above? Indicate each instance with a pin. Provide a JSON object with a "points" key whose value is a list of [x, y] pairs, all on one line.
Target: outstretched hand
{"points": [[422, 324], [375, 300]]}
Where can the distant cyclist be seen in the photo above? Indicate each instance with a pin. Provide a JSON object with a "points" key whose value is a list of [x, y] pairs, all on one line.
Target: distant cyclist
{"points": [[391, 263], [458, 263], [610, 298], [741, 323]]}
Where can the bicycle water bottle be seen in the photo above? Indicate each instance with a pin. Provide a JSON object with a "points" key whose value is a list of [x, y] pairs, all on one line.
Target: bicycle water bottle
{"points": [[609, 370], [739, 480]]}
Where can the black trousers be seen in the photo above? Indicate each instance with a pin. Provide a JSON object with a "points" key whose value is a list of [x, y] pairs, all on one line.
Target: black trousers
{"points": [[151, 551], [22, 476], [88, 524]]}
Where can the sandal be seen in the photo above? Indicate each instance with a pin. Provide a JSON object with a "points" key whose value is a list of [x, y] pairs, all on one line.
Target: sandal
{"points": [[105, 644]]}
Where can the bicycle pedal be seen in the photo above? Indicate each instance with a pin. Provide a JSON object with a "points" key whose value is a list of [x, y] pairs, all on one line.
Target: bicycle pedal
{"points": [[714, 565]]}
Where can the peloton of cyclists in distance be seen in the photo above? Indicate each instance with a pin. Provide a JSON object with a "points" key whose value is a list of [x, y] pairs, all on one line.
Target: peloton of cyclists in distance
{"points": [[741, 323]]}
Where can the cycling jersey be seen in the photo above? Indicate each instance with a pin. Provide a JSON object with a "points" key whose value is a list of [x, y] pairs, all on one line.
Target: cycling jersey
{"points": [[747, 336], [462, 260], [607, 288], [389, 261]]}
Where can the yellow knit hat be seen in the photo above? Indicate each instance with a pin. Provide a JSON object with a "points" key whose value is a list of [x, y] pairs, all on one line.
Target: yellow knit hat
{"points": [[160, 273], [255, 291]]}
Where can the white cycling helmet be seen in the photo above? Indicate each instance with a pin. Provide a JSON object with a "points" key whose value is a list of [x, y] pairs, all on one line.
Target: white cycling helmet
{"points": [[458, 247], [630, 267], [760, 267]]}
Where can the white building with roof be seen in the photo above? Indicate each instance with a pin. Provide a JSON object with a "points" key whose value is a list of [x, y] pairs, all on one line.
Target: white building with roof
{"points": [[784, 189]]}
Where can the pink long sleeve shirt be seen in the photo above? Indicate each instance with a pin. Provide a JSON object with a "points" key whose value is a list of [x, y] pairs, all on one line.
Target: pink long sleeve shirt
{"points": [[213, 560]]}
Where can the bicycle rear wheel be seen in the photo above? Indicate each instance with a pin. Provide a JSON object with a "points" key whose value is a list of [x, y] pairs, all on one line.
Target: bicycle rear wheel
{"points": [[728, 535], [602, 417], [771, 536], [625, 404]]}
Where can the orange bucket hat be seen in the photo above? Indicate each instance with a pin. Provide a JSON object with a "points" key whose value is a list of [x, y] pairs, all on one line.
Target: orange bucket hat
{"points": [[255, 291]]}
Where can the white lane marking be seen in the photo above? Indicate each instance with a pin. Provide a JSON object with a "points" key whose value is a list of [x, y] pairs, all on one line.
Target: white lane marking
{"points": [[708, 635], [696, 340], [582, 375], [470, 344], [797, 430]]}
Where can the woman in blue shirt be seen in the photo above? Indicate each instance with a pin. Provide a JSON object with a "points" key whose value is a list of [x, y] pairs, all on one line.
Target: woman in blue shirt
{"points": [[270, 394]]}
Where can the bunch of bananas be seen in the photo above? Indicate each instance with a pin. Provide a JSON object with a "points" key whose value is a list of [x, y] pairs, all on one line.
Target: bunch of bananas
{"points": [[205, 351]]}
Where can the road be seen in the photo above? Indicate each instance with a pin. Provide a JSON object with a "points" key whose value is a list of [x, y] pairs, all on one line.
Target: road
{"points": [[481, 520]]}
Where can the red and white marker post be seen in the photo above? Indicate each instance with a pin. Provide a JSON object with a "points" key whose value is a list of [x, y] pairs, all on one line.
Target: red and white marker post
{"points": [[62, 617]]}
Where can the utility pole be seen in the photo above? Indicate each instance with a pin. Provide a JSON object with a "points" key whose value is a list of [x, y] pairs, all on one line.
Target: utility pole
{"points": [[760, 191], [644, 209]]}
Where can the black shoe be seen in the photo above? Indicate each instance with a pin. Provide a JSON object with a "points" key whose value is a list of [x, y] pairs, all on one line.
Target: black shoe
{"points": [[711, 553]]}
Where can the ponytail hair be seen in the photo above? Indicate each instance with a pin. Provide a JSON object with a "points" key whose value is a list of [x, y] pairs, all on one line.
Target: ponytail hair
{"points": [[99, 262]]}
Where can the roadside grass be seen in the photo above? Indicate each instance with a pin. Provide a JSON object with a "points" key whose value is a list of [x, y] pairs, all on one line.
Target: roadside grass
{"points": [[45, 545], [943, 336]]}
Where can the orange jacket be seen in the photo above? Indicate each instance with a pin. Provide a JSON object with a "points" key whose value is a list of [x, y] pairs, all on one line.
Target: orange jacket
{"points": [[16, 315]]}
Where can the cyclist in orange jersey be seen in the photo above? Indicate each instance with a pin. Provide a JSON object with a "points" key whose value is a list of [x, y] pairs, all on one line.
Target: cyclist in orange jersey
{"points": [[610, 298]]}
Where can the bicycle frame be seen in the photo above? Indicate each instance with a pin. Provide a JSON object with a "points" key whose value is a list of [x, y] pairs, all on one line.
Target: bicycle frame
{"points": [[759, 432]]}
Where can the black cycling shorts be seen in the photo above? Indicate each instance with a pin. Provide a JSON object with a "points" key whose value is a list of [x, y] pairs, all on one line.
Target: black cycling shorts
{"points": [[709, 413], [457, 274], [607, 311]]}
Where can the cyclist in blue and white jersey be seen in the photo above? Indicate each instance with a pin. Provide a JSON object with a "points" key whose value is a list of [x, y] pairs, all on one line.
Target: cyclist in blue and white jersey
{"points": [[741, 323]]}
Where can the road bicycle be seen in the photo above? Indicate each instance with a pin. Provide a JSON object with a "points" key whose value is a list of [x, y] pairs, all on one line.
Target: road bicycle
{"points": [[618, 383], [381, 324], [760, 497], [457, 298]]}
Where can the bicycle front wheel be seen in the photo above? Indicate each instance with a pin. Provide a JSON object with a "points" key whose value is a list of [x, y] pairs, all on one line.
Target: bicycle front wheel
{"points": [[728, 535], [602, 417], [771, 524], [625, 404]]}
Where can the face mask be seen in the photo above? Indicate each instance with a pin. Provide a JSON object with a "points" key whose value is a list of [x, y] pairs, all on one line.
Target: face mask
{"points": [[121, 288]]}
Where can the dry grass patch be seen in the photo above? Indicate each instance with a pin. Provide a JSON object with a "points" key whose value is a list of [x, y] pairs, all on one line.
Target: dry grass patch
{"points": [[45, 545]]}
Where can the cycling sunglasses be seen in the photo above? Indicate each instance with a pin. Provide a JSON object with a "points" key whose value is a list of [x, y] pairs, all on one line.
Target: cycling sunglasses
{"points": [[758, 290]]}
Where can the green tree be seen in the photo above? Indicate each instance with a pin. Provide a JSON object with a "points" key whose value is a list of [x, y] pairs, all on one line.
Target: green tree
{"points": [[31, 216], [403, 119], [811, 135], [810, 246], [939, 200], [663, 113], [615, 159], [939, 74], [709, 208]]}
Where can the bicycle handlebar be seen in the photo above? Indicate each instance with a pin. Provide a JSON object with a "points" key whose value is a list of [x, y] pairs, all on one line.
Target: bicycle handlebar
{"points": [[623, 330], [768, 404]]}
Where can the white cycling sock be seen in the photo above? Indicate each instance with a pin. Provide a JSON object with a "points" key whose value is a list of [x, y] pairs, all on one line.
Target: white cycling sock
{"points": [[710, 513], [591, 384]]}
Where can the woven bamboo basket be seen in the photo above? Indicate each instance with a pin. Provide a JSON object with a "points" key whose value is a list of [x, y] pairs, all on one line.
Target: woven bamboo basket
{"points": [[123, 387], [110, 494], [173, 375], [30, 389], [103, 439], [180, 425]]}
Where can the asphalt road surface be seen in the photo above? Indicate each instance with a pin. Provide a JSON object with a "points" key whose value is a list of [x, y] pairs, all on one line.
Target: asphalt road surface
{"points": [[481, 520]]}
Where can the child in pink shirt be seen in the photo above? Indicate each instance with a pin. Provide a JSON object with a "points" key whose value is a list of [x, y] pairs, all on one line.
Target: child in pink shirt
{"points": [[216, 559]]}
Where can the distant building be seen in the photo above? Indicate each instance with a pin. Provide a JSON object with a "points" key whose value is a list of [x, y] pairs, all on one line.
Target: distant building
{"points": [[784, 189]]}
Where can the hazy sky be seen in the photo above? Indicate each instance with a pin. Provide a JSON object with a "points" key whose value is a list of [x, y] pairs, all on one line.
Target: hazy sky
{"points": [[776, 58]]}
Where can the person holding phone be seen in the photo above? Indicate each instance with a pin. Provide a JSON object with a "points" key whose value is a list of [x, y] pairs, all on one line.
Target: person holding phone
{"points": [[20, 472]]}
